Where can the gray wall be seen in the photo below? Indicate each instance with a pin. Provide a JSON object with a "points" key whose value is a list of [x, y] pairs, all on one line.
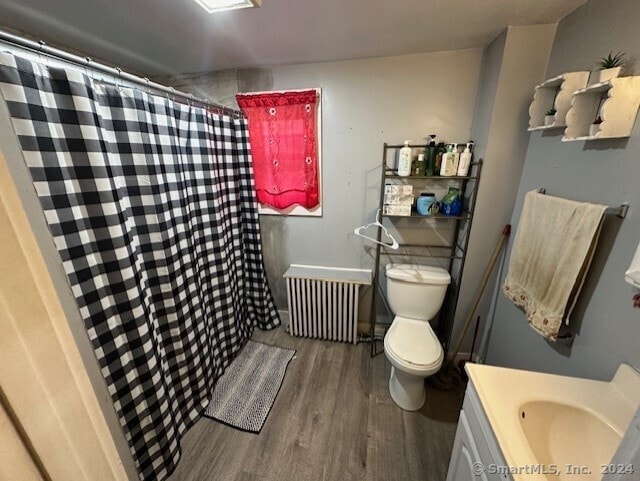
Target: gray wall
{"points": [[604, 171], [222, 86], [364, 103], [514, 63]]}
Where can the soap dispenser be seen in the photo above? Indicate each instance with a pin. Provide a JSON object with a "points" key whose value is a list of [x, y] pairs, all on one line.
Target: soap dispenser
{"points": [[404, 160], [445, 161], [456, 160], [449, 161], [465, 161]]}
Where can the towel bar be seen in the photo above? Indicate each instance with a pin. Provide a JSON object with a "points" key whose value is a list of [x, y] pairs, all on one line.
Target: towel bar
{"points": [[620, 211], [566, 339]]}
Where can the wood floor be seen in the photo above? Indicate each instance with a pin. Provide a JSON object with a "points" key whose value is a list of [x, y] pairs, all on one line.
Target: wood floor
{"points": [[332, 420]]}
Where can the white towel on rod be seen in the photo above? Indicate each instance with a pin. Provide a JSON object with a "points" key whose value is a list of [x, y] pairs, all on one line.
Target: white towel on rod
{"points": [[552, 251], [632, 275]]}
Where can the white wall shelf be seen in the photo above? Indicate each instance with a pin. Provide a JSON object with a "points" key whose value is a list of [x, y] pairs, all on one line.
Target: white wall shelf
{"points": [[616, 101], [555, 93]]}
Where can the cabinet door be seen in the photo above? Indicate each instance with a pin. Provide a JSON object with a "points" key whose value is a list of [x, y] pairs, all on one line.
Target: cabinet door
{"points": [[465, 464]]}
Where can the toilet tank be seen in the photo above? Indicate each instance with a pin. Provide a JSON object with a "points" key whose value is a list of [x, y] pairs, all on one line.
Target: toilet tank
{"points": [[415, 291]]}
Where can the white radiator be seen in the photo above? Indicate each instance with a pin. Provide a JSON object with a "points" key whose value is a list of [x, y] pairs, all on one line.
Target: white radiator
{"points": [[323, 301]]}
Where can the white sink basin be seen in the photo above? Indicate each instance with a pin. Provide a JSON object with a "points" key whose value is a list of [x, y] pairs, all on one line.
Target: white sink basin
{"points": [[568, 427], [552, 429]]}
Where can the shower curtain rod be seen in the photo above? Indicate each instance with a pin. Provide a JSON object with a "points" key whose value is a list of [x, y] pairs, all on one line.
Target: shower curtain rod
{"points": [[116, 72]]}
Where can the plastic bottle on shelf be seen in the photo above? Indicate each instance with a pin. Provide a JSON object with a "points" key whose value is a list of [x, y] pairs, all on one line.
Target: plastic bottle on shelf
{"points": [[404, 160], [445, 160], [419, 166], [448, 167], [456, 159], [430, 154], [439, 153], [465, 161]]}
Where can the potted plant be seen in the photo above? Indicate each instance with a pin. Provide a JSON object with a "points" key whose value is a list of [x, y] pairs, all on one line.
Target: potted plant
{"points": [[550, 117], [594, 128], [610, 67]]}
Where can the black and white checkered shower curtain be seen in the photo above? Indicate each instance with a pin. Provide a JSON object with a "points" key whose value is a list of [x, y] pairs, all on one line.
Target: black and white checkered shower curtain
{"points": [[151, 205]]}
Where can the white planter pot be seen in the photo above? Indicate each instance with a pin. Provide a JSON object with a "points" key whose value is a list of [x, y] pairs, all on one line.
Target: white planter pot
{"points": [[594, 129], [549, 120], [598, 76]]}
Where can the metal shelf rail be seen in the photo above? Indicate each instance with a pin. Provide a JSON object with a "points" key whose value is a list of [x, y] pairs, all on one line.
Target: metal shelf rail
{"points": [[454, 251]]}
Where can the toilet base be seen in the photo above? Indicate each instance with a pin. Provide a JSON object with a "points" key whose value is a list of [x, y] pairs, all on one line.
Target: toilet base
{"points": [[406, 390]]}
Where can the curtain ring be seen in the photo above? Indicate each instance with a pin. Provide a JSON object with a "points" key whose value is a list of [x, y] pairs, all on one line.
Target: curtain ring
{"points": [[87, 68], [115, 80], [146, 79], [43, 54], [190, 100]]}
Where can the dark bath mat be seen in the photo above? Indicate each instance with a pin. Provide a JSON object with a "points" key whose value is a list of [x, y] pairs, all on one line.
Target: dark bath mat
{"points": [[245, 393]]}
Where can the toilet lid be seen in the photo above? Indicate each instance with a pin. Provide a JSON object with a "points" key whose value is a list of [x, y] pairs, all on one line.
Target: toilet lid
{"points": [[414, 342]]}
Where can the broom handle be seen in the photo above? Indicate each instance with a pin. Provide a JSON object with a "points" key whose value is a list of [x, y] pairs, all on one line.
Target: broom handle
{"points": [[483, 284]]}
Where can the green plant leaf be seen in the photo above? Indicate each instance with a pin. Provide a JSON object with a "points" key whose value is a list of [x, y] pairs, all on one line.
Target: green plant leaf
{"points": [[611, 61]]}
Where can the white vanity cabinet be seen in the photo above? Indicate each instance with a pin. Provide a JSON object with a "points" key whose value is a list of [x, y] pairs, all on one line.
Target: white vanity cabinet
{"points": [[476, 455], [548, 427]]}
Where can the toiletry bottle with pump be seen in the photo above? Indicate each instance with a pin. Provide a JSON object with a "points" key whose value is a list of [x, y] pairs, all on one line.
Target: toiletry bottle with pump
{"points": [[465, 161], [404, 160], [440, 151], [430, 155], [447, 168], [445, 161]]}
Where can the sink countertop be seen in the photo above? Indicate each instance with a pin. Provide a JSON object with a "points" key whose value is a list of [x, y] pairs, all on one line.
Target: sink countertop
{"points": [[502, 392]]}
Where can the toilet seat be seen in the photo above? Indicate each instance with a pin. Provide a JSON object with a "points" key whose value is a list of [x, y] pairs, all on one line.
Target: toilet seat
{"points": [[413, 346]]}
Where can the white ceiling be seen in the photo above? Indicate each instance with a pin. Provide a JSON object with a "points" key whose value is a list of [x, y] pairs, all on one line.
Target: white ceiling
{"points": [[176, 36]]}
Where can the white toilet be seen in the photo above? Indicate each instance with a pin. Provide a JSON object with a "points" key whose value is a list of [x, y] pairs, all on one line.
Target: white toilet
{"points": [[415, 295]]}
